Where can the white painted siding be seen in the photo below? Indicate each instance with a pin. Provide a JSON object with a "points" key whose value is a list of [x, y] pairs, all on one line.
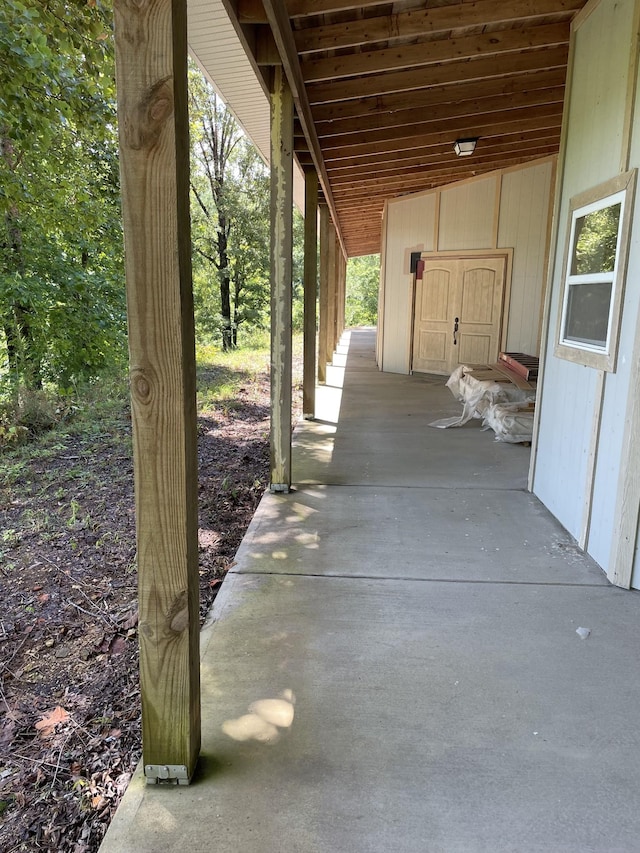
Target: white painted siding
{"points": [[410, 228], [523, 225], [569, 404], [216, 47], [466, 215], [463, 225]]}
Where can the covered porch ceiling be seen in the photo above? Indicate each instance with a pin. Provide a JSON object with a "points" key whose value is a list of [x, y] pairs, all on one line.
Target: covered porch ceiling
{"points": [[382, 90]]}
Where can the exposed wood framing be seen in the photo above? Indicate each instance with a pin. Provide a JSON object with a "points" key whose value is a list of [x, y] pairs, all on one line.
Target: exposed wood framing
{"points": [[310, 293], [627, 511], [151, 62], [281, 278], [279, 21], [331, 293], [325, 221]]}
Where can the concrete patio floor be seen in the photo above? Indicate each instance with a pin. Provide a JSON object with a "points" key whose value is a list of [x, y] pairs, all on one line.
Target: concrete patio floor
{"points": [[392, 665]]}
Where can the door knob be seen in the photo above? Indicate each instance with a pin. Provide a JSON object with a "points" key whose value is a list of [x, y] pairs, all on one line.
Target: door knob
{"points": [[455, 330]]}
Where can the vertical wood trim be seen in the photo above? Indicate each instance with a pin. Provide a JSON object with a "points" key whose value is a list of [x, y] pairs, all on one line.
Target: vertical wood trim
{"points": [[632, 85], [336, 295], [331, 293], [382, 288], [324, 292], [555, 231], [547, 253], [281, 278], [496, 211], [151, 68], [436, 222], [626, 519], [506, 299], [581, 16], [592, 459], [625, 526], [310, 292]]}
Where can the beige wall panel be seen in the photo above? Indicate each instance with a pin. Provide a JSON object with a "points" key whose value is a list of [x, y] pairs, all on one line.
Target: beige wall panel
{"points": [[410, 228], [466, 215], [571, 403], [524, 216]]}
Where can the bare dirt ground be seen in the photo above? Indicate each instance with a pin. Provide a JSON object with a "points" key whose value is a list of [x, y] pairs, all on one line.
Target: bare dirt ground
{"points": [[69, 693]]}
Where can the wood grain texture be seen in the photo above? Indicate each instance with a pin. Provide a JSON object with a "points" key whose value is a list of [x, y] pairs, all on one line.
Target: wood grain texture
{"points": [[310, 292], [151, 54], [281, 278], [324, 292]]}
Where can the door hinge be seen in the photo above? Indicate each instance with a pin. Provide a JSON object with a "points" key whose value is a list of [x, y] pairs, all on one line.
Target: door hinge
{"points": [[171, 774]]}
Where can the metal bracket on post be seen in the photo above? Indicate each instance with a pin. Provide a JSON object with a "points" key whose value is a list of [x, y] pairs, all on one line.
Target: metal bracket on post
{"points": [[171, 774], [280, 488]]}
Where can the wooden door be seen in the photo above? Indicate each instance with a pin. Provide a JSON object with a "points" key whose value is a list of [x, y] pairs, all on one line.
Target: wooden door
{"points": [[458, 313]]}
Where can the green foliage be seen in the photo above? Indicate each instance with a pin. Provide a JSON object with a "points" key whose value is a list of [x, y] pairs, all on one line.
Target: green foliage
{"points": [[363, 277], [596, 241], [62, 301], [230, 220]]}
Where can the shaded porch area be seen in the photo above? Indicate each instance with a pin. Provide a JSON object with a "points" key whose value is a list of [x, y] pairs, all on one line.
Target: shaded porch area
{"points": [[393, 665]]}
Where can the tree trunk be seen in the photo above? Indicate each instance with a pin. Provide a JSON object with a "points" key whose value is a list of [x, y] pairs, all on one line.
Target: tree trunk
{"points": [[225, 287], [23, 358]]}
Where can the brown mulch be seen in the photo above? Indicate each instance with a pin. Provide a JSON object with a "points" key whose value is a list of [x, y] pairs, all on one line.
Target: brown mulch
{"points": [[69, 693]]}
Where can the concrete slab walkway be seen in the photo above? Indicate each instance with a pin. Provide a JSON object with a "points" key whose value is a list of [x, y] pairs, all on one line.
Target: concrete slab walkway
{"points": [[392, 666]]}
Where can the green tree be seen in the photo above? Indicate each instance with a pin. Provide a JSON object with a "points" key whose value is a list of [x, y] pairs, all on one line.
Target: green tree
{"points": [[61, 285], [363, 277], [230, 218]]}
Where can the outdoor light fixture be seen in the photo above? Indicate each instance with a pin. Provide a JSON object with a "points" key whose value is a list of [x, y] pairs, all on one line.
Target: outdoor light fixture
{"points": [[465, 147]]}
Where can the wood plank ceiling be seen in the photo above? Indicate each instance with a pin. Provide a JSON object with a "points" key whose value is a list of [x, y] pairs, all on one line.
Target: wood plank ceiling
{"points": [[382, 91]]}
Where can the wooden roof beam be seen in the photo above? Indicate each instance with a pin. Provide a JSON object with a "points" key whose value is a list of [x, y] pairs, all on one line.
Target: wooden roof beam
{"points": [[424, 124], [417, 23], [438, 95], [438, 75], [433, 52], [281, 28], [531, 151], [441, 112], [445, 136], [305, 8], [375, 160]]}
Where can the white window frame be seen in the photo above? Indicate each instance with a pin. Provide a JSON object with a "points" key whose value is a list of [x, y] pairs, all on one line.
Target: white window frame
{"points": [[593, 354]]}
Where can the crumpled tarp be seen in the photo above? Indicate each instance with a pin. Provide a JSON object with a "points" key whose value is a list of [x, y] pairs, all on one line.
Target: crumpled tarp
{"points": [[512, 422], [478, 396]]}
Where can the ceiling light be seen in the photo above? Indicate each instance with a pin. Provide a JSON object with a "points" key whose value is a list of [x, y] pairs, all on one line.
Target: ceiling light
{"points": [[465, 147]]}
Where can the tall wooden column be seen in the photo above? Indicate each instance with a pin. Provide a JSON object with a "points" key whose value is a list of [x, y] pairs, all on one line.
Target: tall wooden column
{"points": [[331, 301], [310, 292], [325, 237], [151, 63], [281, 278]]}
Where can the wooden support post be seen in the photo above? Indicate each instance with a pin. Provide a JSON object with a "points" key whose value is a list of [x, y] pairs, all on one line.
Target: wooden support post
{"points": [[325, 238], [310, 292], [151, 64], [331, 300], [343, 295], [281, 278]]}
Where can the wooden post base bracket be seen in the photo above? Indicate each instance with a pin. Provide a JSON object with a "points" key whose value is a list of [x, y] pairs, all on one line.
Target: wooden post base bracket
{"points": [[170, 774]]}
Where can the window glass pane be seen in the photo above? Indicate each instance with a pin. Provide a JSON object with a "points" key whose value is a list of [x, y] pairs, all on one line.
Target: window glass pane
{"points": [[588, 313], [595, 241]]}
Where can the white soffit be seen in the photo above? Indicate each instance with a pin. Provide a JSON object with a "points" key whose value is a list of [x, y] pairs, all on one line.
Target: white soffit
{"points": [[215, 46]]}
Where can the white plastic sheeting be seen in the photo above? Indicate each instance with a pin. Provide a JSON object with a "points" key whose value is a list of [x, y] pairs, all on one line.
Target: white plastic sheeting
{"points": [[502, 407], [511, 422]]}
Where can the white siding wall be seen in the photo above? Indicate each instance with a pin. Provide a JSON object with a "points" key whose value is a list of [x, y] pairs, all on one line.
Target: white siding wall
{"points": [[466, 215], [410, 228], [464, 223], [524, 220], [570, 405]]}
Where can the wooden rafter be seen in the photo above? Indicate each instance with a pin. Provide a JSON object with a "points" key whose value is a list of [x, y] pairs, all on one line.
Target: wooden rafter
{"points": [[382, 89]]}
